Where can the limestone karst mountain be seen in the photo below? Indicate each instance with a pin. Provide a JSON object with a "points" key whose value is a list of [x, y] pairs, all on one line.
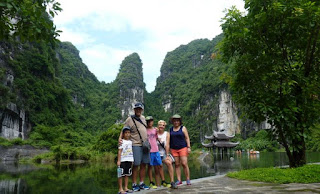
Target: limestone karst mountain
{"points": [[46, 86]]}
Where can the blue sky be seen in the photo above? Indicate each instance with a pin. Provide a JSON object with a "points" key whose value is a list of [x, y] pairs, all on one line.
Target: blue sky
{"points": [[106, 31]]}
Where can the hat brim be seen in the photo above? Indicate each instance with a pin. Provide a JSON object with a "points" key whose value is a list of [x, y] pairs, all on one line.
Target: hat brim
{"points": [[171, 119]]}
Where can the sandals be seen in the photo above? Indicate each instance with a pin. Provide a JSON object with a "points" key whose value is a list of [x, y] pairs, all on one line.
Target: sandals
{"points": [[125, 192]]}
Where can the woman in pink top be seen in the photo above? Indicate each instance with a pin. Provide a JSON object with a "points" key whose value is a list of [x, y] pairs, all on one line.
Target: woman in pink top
{"points": [[155, 159]]}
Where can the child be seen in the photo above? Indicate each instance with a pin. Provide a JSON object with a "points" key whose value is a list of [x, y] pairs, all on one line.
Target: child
{"points": [[155, 159], [125, 160]]}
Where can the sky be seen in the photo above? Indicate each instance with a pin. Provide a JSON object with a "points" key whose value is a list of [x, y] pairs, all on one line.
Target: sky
{"points": [[106, 31]]}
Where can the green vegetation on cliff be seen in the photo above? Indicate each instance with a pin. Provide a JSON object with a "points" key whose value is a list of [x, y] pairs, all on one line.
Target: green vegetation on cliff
{"points": [[189, 85], [36, 87], [95, 102]]}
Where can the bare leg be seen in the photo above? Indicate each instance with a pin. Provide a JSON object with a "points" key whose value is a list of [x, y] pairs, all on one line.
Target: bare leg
{"points": [[178, 170], [156, 169], [120, 184], [135, 174], [184, 162], [170, 169], [126, 183], [142, 172], [150, 173], [161, 173]]}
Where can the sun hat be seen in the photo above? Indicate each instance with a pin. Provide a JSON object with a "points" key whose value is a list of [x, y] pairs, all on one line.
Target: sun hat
{"points": [[176, 116], [149, 118], [138, 105]]}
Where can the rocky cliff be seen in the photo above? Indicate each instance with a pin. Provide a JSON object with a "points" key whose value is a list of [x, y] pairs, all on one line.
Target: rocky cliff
{"points": [[130, 83], [228, 120], [191, 84], [14, 120]]}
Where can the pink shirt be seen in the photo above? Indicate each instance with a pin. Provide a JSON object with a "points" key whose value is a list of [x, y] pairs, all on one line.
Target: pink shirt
{"points": [[152, 137]]}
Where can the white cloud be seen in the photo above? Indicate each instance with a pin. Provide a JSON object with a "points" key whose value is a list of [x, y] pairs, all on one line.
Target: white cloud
{"points": [[104, 60], [76, 37], [166, 24]]}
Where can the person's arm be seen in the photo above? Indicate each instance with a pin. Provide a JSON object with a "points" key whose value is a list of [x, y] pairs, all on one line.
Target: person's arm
{"points": [[119, 156], [186, 135], [120, 139], [167, 146]]}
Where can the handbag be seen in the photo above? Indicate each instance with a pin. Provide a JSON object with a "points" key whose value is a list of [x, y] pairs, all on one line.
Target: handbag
{"points": [[172, 158], [145, 144]]}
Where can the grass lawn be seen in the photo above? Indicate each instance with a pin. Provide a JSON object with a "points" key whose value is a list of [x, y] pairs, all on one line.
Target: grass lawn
{"points": [[305, 174]]}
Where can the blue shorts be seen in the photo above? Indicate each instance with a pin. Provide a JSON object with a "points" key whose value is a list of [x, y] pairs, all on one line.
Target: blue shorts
{"points": [[155, 159], [140, 157]]}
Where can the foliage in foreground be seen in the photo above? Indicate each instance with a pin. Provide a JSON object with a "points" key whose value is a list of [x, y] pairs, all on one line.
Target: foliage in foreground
{"points": [[313, 140], [32, 20], [274, 50], [304, 174]]}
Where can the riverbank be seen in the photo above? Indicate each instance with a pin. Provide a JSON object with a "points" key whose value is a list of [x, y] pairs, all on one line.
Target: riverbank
{"points": [[223, 184]]}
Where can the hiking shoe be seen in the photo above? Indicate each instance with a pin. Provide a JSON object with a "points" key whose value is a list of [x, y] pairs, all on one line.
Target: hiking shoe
{"points": [[173, 185], [178, 183], [144, 187], [135, 187], [188, 182], [152, 185], [165, 184]]}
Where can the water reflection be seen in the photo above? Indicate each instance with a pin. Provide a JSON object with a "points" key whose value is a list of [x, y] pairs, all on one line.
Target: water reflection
{"points": [[13, 186], [218, 164], [101, 178], [16, 168]]}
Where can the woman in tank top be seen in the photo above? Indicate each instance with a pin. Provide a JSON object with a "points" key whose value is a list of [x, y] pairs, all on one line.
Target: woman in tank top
{"points": [[179, 142], [162, 137]]}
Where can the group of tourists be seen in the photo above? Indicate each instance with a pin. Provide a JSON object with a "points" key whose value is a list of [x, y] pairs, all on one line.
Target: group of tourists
{"points": [[141, 145]]}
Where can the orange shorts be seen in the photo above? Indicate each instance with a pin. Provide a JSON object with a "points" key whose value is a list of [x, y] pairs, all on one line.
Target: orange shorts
{"points": [[179, 152]]}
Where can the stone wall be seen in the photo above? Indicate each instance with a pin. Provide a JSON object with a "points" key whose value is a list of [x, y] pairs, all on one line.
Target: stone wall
{"points": [[14, 153]]}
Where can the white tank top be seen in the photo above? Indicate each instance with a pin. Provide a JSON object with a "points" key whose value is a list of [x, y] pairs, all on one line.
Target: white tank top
{"points": [[163, 139]]}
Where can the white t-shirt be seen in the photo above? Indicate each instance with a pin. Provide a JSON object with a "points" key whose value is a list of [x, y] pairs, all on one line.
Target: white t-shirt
{"points": [[163, 139], [126, 154]]}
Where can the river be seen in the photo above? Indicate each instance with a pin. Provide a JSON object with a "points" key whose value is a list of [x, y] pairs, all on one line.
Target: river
{"points": [[101, 178]]}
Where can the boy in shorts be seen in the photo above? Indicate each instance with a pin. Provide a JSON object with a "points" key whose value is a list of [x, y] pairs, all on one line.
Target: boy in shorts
{"points": [[125, 160]]}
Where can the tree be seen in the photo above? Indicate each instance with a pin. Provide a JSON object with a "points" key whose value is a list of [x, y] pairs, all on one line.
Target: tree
{"points": [[28, 19], [274, 52]]}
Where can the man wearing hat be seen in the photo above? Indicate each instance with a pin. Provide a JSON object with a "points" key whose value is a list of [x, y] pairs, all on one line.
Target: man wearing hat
{"points": [[137, 123]]}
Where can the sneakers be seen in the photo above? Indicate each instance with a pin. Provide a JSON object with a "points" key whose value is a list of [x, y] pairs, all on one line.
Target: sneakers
{"points": [[135, 187], [178, 183], [173, 185], [144, 187], [152, 185], [165, 184], [188, 182]]}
